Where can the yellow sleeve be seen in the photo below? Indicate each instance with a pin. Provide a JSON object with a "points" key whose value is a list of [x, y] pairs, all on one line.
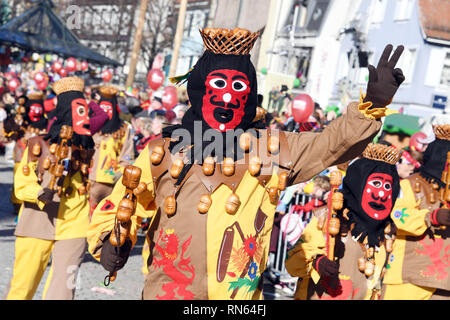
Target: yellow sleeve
{"points": [[300, 258], [408, 218], [27, 188], [102, 221]]}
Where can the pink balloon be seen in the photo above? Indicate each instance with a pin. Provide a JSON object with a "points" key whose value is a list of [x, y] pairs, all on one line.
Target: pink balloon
{"points": [[302, 107], [63, 72], [155, 78], [71, 64], [42, 85], [107, 75], [57, 66], [414, 144], [13, 84], [39, 77], [84, 65], [169, 97]]}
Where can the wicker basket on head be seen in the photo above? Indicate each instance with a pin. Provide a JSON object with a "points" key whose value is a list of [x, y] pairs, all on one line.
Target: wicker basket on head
{"points": [[382, 152], [38, 95], [228, 41], [108, 91], [442, 131], [68, 84]]}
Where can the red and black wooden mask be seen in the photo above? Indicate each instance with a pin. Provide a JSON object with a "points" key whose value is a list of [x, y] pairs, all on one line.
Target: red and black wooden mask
{"points": [[107, 107], [226, 95], [370, 189], [35, 112], [80, 116]]}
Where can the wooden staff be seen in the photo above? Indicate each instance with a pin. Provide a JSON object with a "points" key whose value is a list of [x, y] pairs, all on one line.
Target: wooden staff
{"points": [[337, 201], [445, 193], [126, 209]]}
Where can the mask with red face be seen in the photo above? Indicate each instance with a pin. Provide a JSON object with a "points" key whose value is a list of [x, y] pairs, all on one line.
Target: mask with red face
{"points": [[226, 95], [80, 116], [36, 111], [107, 107], [370, 188]]}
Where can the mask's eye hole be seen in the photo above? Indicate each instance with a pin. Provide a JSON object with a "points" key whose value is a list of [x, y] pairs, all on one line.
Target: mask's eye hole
{"points": [[387, 186], [239, 85], [376, 183], [81, 111], [218, 83]]}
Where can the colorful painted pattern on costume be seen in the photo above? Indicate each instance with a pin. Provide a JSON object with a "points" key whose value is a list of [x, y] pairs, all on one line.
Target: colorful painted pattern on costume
{"points": [[401, 215], [168, 247]]}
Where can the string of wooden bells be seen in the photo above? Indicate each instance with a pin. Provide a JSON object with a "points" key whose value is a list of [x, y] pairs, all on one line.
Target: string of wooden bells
{"points": [[233, 202], [126, 209]]}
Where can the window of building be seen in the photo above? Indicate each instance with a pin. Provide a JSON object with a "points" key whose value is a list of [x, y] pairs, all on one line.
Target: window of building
{"points": [[379, 9], [407, 62], [445, 75], [403, 9]]}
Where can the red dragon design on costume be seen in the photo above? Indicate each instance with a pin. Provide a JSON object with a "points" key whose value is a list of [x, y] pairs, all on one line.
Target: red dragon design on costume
{"points": [[169, 254], [433, 250]]}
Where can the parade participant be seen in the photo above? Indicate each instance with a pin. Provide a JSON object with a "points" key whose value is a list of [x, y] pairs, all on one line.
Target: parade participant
{"points": [[345, 263], [419, 266], [51, 180], [28, 122], [113, 148], [212, 204]]}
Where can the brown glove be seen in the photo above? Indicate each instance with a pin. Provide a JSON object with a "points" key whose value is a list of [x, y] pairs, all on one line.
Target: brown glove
{"points": [[325, 267], [46, 195], [441, 217], [384, 80], [113, 258]]}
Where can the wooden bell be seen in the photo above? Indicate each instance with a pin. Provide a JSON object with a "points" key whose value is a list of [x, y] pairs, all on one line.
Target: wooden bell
{"points": [[53, 147], [245, 141], [273, 144], [63, 152], [389, 245], [417, 186], [232, 204], [228, 166], [337, 200], [66, 132], [176, 168], [204, 203], [260, 114], [46, 163], [36, 150], [362, 264], [335, 178], [84, 169], [208, 166], [157, 155], [82, 190], [254, 165], [282, 181], [131, 176], [273, 194], [370, 268], [125, 210], [58, 170], [26, 170], [170, 205], [123, 235], [369, 252], [334, 226], [142, 186], [432, 197]]}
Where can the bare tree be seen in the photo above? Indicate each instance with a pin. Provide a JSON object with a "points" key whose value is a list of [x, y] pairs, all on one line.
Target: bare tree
{"points": [[159, 30]]}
